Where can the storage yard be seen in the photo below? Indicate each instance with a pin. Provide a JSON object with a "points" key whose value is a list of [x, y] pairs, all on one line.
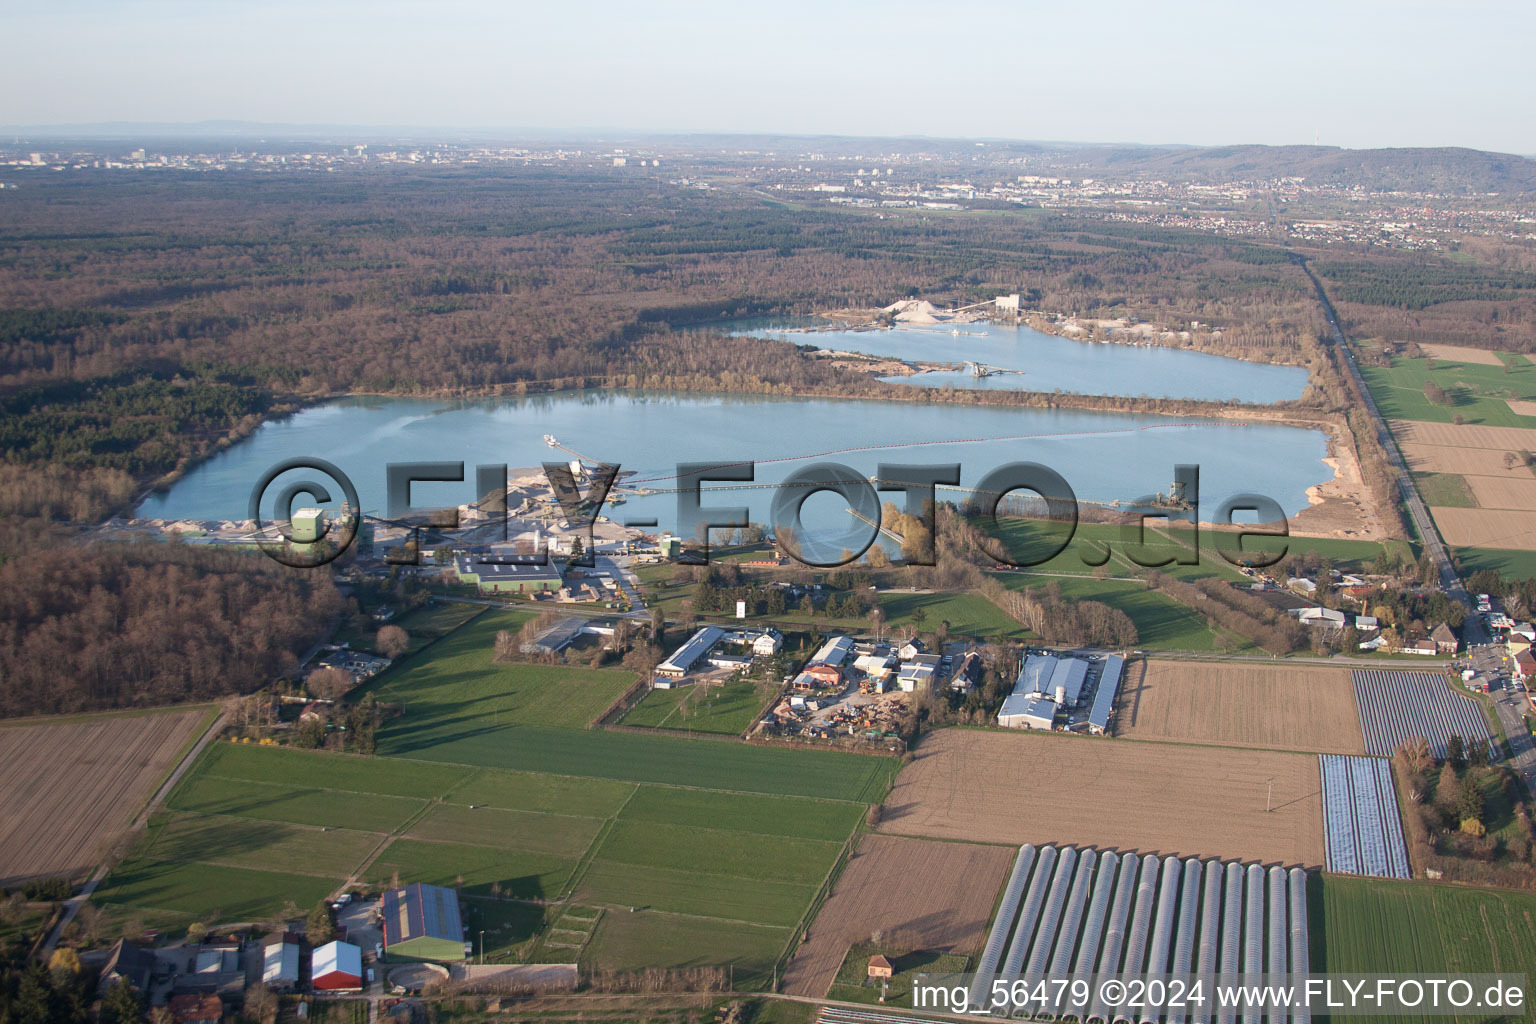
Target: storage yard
{"points": [[72, 785], [1278, 707], [1065, 911], [1395, 706], [1021, 787], [1363, 832], [934, 896]]}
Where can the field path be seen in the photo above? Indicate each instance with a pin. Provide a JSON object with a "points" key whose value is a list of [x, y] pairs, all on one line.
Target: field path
{"points": [[73, 904]]}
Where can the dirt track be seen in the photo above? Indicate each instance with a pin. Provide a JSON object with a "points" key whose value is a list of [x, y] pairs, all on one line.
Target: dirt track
{"points": [[71, 786], [919, 893], [1277, 707], [1113, 794]]}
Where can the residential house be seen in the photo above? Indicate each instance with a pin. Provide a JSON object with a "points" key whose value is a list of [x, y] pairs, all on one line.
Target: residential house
{"points": [[126, 963], [1525, 664], [1446, 640], [911, 649]]}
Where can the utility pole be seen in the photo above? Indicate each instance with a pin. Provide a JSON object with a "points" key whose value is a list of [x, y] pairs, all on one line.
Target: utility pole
{"points": [[1269, 796]]}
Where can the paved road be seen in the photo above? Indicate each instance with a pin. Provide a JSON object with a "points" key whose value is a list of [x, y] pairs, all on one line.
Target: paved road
{"points": [[73, 904], [1523, 752]]}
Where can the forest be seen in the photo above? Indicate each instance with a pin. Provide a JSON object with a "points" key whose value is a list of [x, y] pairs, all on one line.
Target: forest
{"points": [[148, 624]]}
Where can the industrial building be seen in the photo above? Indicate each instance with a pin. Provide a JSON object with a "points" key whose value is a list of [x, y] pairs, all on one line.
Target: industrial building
{"points": [[826, 666], [422, 922], [337, 967], [307, 525], [508, 574]]}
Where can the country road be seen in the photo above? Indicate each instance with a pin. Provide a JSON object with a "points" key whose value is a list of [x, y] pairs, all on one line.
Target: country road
{"points": [[1522, 751]]}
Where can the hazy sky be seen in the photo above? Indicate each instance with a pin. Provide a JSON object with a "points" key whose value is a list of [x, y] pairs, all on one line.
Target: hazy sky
{"points": [[1374, 73]]}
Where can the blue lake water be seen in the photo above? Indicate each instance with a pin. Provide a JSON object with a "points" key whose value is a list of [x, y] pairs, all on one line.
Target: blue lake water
{"points": [[1104, 456], [1049, 363]]}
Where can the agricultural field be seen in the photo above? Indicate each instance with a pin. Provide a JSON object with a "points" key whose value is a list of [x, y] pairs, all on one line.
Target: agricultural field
{"points": [[1379, 926], [1476, 481], [668, 760], [926, 895], [1277, 707], [1022, 787], [1396, 706], [967, 614], [460, 682], [1478, 392], [687, 859], [73, 785], [727, 709]]}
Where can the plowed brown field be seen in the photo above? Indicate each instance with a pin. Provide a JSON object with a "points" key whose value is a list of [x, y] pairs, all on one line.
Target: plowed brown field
{"points": [[1114, 794], [71, 786], [1281, 707], [925, 894], [1487, 527]]}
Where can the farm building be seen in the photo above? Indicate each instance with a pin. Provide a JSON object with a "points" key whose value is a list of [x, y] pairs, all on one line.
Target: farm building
{"points": [[1021, 711], [687, 656], [507, 574], [422, 922], [280, 964], [337, 967], [556, 637], [1104, 696], [879, 967]]}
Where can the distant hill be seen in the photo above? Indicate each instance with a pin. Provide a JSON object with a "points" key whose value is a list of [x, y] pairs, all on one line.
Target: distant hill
{"points": [[1444, 169]]}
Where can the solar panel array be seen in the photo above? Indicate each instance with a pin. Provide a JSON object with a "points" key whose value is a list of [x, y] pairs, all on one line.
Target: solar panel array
{"points": [[1111, 913], [1396, 706], [1363, 833]]}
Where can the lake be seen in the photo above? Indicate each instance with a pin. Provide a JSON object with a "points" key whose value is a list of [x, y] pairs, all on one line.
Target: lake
{"points": [[1104, 456], [1049, 363]]}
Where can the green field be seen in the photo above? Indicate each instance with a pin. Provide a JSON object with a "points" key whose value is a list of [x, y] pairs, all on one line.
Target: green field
{"points": [[1448, 490], [1512, 564], [1379, 926], [477, 868], [657, 759], [967, 614], [1477, 392], [172, 894], [458, 687], [739, 812], [1161, 622], [559, 834], [634, 941], [728, 709]]}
